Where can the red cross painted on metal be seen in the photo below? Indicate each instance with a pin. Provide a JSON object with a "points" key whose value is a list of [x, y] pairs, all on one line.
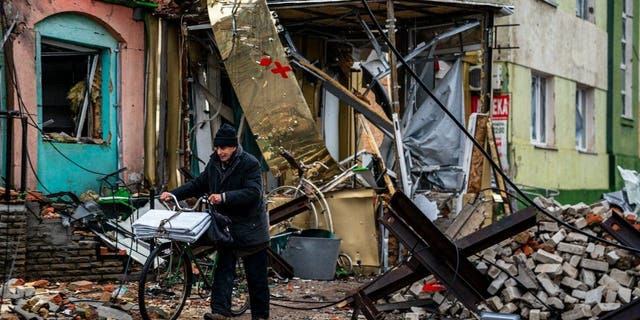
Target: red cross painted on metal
{"points": [[282, 70]]}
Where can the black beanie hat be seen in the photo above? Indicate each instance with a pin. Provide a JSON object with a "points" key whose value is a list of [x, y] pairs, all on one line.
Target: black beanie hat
{"points": [[226, 137]]}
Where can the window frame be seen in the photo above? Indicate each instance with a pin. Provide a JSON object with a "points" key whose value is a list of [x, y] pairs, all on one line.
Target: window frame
{"points": [[584, 101], [542, 111], [95, 56], [626, 63]]}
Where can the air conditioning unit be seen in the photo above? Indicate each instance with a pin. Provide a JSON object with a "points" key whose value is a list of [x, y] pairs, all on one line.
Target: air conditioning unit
{"points": [[475, 78]]}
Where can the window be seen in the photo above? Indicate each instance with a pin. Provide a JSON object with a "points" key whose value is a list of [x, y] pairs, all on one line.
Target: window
{"points": [[585, 129], [71, 108], [626, 43], [542, 121], [582, 9]]}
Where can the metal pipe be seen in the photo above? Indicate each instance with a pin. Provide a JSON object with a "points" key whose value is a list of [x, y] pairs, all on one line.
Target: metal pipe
{"points": [[23, 166], [391, 30], [9, 160]]}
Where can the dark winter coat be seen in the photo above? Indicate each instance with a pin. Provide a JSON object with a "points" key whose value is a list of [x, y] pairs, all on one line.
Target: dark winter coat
{"points": [[241, 187]]}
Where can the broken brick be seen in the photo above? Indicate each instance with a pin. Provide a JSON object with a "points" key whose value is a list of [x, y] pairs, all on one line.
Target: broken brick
{"points": [[593, 219]]}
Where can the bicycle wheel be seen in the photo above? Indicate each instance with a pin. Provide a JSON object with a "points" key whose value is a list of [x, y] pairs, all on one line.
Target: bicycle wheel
{"points": [[344, 264], [164, 284], [240, 293]]}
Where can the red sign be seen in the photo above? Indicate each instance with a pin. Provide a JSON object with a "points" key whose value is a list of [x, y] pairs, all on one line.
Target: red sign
{"points": [[501, 105]]}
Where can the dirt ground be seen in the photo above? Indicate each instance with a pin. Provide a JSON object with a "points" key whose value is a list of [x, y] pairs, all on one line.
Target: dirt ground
{"points": [[300, 300], [290, 299]]}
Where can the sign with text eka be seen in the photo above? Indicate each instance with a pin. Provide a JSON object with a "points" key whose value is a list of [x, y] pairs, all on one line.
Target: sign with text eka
{"points": [[500, 109]]}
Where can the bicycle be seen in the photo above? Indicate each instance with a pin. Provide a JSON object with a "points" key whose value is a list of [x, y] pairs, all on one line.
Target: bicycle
{"points": [[177, 270], [318, 203]]}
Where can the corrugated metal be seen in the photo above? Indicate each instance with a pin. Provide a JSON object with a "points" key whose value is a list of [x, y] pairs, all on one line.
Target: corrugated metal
{"points": [[267, 89]]}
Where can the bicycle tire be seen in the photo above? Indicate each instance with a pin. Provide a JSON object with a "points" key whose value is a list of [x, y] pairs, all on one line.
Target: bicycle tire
{"points": [[345, 263], [165, 283]]}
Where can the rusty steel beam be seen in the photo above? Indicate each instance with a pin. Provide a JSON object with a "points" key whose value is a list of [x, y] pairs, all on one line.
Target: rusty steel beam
{"points": [[437, 253], [496, 232], [412, 270], [279, 265], [622, 231], [367, 307], [288, 210], [630, 310], [394, 280], [455, 274]]}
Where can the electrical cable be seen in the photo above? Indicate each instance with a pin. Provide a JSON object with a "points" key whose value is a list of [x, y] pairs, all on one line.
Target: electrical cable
{"points": [[33, 170], [302, 308], [303, 301], [495, 166]]}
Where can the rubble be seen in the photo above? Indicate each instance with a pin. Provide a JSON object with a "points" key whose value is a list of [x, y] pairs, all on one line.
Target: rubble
{"points": [[556, 271]]}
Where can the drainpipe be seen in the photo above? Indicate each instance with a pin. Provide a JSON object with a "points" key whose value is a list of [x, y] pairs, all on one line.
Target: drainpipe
{"points": [[118, 106], [9, 157], [23, 166]]}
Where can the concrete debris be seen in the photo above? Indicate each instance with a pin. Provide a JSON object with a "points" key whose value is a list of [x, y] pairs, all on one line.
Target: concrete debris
{"points": [[553, 271]]}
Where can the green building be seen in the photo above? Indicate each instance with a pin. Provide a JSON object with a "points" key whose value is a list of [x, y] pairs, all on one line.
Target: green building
{"points": [[573, 94]]}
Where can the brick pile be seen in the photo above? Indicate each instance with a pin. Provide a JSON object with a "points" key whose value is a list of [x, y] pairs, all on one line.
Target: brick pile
{"points": [[551, 270], [37, 248]]}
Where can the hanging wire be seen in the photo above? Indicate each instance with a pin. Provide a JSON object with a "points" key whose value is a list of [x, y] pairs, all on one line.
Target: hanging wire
{"points": [[495, 166]]}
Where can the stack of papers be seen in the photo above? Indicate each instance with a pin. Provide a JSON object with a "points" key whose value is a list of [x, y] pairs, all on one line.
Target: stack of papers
{"points": [[180, 226]]}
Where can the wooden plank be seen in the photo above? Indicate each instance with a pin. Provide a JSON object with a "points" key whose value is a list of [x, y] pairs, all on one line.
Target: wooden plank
{"points": [[491, 143], [477, 159]]}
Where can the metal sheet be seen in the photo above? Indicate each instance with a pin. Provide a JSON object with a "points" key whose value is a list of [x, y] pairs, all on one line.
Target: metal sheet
{"points": [[267, 89]]}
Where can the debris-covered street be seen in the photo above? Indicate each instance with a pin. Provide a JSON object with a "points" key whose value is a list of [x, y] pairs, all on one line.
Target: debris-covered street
{"points": [[370, 159]]}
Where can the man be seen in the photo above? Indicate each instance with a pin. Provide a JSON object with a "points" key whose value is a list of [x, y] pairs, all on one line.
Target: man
{"points": [[233, 181]]}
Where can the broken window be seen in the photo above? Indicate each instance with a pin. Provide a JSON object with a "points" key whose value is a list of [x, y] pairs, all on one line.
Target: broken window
{"points": [[585, 131], [71, 92]]}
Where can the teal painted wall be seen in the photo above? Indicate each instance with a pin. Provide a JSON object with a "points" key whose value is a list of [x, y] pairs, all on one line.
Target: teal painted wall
{"points": [[622, 142], [56, 172]]}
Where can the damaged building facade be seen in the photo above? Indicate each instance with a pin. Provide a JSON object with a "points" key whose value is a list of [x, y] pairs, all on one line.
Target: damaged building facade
{"points": [[572, 96], [164, 77]]}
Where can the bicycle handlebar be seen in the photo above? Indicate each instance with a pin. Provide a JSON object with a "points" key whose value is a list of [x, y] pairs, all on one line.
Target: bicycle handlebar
{"points": [[200, 200]]}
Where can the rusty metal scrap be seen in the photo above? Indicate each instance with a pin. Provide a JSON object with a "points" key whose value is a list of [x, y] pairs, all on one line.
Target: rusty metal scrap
{"points": [[414, 270]]}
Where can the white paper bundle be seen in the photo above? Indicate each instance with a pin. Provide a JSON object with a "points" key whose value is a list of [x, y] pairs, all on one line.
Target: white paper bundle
{"points": [[184, 226]]}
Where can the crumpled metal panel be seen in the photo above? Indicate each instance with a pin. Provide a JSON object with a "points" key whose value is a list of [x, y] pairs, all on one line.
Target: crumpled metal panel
{"points": [[267, 89]]}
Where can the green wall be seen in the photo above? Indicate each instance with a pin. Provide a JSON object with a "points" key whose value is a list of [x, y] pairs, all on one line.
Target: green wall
{"points": [[560, 167], [622, 133]]}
